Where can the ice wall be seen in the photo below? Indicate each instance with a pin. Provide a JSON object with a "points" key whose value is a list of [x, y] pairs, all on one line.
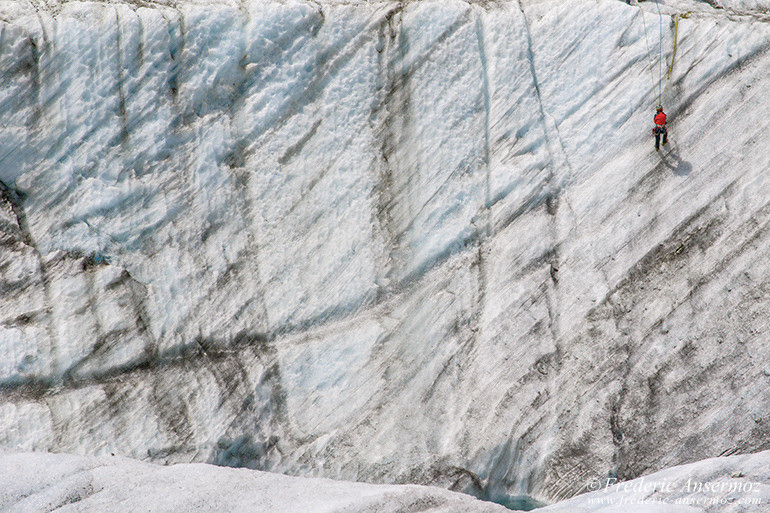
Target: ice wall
{"points": [[384, 241]]}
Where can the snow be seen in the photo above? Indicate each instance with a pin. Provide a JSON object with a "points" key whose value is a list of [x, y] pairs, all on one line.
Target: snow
{"points": [[43, 482], [736, 483], [394, 242]]}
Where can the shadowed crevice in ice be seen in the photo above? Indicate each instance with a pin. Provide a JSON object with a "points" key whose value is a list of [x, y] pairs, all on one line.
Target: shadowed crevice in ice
{"points": [[199, 352]]}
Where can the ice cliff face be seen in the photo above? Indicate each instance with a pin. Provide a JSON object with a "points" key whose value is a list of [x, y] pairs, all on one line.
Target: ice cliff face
{"points": [[385, 241]]}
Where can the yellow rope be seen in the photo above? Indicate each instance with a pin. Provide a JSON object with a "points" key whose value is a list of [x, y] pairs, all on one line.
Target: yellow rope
{"points": [[673, 55]]}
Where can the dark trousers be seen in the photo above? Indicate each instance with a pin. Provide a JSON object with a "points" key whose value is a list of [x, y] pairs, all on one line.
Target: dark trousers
{"points": [[658, 131]]}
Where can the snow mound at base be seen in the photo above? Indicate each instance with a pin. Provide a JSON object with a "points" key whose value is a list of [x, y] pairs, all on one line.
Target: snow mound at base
{"points": [[44, 482]]}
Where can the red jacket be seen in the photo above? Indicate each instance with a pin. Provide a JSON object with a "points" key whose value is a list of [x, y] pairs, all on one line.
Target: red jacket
{"points": [[660, 118]]}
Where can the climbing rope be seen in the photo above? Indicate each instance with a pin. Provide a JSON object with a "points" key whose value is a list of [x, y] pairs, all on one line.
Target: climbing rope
{"points": [[673, 55], [647, 40], [661, 89], [660, 51]]}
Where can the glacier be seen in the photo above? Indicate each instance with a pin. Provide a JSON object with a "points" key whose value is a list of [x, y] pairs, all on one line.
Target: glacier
{"points": [[394, 242]]}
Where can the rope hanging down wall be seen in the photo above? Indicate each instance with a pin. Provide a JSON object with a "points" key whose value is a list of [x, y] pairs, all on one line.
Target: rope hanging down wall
{"points": [[660, 87], [673, 56]]}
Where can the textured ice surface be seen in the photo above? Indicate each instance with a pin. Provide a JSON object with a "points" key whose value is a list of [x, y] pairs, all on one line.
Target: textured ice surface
{"points": [[723, 485], [395, 242], [44, 482]]}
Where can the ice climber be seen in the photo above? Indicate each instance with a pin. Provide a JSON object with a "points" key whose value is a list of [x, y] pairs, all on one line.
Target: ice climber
{"points": [[660, 127]]}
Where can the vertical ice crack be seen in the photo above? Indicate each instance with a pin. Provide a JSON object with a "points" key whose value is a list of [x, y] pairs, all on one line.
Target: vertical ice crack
{"points": [[553, 139], [553, 143], [487, 106], [390, 120], [176, 46], [119, 86], [486, 215], [555, 180]]}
